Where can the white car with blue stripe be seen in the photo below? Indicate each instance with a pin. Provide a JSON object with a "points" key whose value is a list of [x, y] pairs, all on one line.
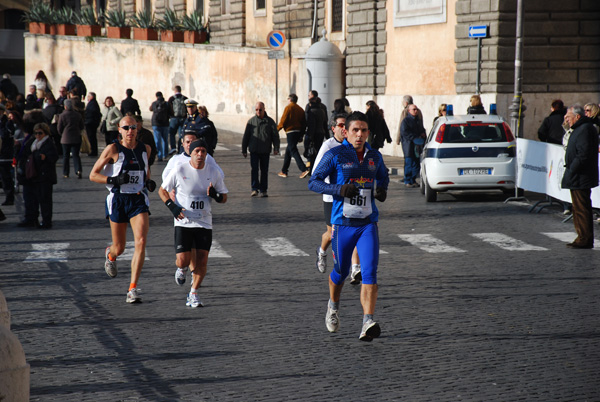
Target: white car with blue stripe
{"points": [[470, 152]]}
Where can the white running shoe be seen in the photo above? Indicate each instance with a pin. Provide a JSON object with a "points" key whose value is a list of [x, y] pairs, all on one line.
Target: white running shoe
{"points": [[321, 262], [332, 320], [110, 266], [180, 276], [355, 276], [193, 300], [370, 330], [133, 296]]}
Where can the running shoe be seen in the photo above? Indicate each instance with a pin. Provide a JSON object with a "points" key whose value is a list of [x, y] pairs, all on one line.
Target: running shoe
{"points": [[332, 320], [133, 296], [304, 174], [321, 262], [110, 266], [370, 330], [180, 276], [281, 174], [193, 300], [254, 193], [355, 276]]}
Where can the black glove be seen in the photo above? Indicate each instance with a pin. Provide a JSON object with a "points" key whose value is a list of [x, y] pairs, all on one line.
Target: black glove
{"points": [[212, 193], [151, 185], [175, 209], [349, 190], [123, 178], [380, 194]]}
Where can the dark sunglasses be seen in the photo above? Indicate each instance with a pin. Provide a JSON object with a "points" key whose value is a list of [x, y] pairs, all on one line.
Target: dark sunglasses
{"points": [[127, 128]]}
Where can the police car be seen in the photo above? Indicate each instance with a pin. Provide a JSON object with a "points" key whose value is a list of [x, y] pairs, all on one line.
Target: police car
{"points": [[466, 153]]}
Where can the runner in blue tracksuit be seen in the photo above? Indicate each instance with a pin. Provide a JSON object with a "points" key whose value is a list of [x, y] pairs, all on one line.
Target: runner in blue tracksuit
{"points": [[357, 177]]}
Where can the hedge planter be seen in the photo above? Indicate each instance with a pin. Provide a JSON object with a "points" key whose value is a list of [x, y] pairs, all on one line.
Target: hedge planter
{"points": [[53, 30], [65, 29], [39, 28], [145, 34], [89, 30], [171, 36], [118, 32], [194, 37]]}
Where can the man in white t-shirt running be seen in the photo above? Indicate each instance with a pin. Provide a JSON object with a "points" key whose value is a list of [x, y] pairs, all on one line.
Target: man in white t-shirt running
{"points": [[339, 134], [196, 184]]}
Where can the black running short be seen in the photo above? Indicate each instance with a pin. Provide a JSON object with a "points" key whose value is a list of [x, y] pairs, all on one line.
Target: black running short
{"points": [[187, 239]]}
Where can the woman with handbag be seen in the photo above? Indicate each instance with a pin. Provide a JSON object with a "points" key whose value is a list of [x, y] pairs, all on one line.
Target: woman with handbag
{"points": [[110, 121]]}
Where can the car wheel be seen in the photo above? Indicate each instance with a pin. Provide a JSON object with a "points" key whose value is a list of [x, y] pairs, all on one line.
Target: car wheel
{"points": [[422, 186], [430, 194]]}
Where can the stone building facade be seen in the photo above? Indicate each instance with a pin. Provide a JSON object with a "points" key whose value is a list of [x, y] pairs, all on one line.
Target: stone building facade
{"points": [[391, 48]]}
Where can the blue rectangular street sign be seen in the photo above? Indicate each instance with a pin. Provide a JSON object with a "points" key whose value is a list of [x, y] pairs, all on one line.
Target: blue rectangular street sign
{"points": [[478, 31]]}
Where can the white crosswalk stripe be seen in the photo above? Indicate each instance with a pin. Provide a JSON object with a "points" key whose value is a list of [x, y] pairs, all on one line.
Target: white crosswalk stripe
{"points": [[216, 251], [430, 244], [566, 237], [506, 242], [128, 252], [280, 247], [48, 252]]}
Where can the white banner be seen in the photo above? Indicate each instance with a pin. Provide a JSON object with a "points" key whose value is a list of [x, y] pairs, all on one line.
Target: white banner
{"points": [[540, 168]]}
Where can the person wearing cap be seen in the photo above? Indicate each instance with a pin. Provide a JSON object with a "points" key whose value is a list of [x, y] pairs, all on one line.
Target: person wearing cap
{"points": [[193, 121], [123, 168], [260, 137], [75, 82], [196, 185]]}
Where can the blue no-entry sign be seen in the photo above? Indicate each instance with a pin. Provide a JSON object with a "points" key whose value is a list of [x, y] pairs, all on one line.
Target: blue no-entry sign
{"points": [[276, 40], [478, 31]]}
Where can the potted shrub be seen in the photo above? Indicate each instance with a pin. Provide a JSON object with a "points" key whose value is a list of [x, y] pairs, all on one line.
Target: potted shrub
{"points": [[87, 23], [38, 17], [64, 19], [170, 27], [53, 21], [117, 25], [194, 29], [143, 26]]}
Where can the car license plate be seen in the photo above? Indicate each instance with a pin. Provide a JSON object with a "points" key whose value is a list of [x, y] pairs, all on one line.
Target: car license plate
{"points": [[474, 171]]}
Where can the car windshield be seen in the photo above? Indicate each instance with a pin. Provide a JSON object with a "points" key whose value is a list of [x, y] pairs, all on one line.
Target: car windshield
{"points": [[474, 132]]}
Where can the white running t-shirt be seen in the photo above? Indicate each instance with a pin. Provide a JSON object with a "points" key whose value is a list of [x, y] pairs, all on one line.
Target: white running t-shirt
{"points": [[190, 185]]}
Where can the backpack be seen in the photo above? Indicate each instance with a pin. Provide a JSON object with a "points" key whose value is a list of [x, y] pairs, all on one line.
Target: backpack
{"points": [[179, 106], [162, 113]]}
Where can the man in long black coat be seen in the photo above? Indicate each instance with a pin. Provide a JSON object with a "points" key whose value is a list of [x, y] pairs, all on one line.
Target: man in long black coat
{"points": [[581, 174], [93, 116]]}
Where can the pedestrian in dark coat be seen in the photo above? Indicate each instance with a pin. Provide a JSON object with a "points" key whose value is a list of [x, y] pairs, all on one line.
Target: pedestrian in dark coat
{"points": [[379, 132], [581, 174], [45, 156], [129, 104], [260, 136], [70, 125], [475, 106], [6, 157], [75, 82], [316, 130], [411, 129], [93, 116], [551, 129], [8, 88]]}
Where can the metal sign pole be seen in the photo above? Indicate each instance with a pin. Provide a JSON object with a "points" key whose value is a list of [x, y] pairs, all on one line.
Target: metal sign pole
{"points": [[478, 83], [276, 92]]}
